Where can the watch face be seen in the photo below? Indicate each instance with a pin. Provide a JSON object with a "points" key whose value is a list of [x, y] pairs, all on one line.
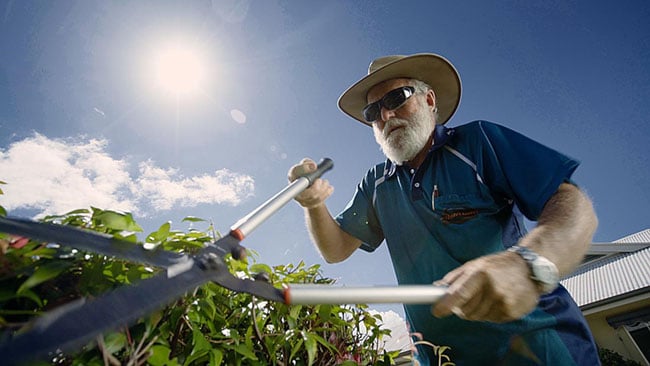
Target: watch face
{"points": [[545, 272]]}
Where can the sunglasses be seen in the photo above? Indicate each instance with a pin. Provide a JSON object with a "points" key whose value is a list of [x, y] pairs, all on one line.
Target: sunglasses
{"points": [[391, 100]]}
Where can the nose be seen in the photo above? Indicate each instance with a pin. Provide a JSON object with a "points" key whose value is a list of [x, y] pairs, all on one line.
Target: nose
{"points": [[386, 114]]}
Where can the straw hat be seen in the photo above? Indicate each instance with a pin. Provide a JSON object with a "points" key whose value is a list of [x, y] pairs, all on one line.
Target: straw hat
{"points": [[433, 69]]}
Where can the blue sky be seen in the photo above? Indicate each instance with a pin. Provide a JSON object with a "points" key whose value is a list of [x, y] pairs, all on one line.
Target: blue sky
{"points": [[85, 121]]}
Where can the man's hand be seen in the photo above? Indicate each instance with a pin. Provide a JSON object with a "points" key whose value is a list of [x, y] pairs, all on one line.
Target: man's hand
{"points": [[495, 288], [498, 287], [318, 192], [333, 243]]}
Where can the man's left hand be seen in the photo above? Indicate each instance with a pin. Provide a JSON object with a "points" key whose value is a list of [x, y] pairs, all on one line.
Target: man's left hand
{"points": [[495, 288]]}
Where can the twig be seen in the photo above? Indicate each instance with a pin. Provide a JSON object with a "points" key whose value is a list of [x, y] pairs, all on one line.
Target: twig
{"points": [[258, 333], [178, 330], [108, 358], [145, 350]]}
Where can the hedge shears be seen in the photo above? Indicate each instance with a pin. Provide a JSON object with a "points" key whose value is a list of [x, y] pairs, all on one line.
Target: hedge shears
{"points": [[74, 324]]}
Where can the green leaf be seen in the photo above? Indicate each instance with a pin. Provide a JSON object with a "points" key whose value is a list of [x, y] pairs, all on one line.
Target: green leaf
{"points": [[160, 356], [116, 269], [196, 357], [322, 341], [216, 357], [245, 351], [249, 337], [40, 251], [44, 272], [311, 346], [193, 219], [259, 268], [117, 221], [295, 311], [325, 312], [136, 273], [161, 234], [199, 342], [77, 212], [296, 348], [292, 319], [115, 342], [207, 306], [127, 236], [32, 296]]}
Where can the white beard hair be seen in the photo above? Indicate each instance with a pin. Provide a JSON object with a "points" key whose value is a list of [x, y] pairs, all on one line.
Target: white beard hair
{"points": [[409, 141]]}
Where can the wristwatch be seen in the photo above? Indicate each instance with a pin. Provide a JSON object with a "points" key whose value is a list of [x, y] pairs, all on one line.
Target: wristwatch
{"points": [[542, 270]]}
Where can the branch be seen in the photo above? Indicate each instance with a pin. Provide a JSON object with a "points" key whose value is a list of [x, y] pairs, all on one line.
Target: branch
{"points": [[108, 358], [258, 334]]}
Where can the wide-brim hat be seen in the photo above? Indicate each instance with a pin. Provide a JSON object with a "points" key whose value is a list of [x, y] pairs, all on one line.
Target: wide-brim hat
{"points": [[430, 68]]}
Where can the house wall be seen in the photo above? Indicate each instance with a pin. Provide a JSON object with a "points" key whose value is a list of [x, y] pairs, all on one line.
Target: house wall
{"points": [[617, 340]]}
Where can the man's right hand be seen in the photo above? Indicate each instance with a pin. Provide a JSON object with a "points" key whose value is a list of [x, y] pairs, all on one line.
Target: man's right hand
{"points": [[333, 243], [318, 192]]}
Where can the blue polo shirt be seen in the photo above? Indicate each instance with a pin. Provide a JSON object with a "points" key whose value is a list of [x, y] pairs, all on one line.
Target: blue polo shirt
{"points": [[466, 200]]}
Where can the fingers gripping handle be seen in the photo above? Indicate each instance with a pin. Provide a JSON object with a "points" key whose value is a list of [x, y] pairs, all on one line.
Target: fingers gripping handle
{"points": [[324, 165], [248, 223]]}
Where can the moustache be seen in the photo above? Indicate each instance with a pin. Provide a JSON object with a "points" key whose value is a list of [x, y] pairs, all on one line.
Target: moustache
{"points": [[391, 125]]}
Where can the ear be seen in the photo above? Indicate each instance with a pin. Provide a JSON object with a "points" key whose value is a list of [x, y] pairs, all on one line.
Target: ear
{"points": [[431, 99]]}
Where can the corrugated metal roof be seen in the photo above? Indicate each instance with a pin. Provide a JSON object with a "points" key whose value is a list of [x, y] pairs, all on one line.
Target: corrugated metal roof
{"points": [[612, 275], [601, 249], [640, 237]]}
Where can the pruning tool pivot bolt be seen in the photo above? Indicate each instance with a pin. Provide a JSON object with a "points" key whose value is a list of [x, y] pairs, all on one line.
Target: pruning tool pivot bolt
{"points": [[209, 261], [238, 253]]}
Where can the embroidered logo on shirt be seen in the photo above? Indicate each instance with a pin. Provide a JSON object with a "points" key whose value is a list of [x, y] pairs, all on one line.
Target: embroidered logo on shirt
{"points": [[458, 216]]}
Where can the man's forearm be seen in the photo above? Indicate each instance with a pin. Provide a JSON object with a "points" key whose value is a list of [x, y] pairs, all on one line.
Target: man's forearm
{"points": [[334, 244], [565, 228]]}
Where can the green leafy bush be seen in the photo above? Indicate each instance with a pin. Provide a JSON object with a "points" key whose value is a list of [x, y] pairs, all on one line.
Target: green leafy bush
{"points": [[210, 325]]}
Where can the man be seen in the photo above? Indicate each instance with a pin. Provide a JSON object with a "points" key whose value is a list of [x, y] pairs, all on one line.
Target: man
{"points": [[449, 203]]}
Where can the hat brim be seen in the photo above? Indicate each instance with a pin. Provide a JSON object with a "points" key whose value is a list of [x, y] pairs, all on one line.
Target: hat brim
{"points": [[430, 68]]}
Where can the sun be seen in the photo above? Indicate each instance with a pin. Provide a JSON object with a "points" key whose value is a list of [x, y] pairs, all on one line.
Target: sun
{"points": [[179, 69]]}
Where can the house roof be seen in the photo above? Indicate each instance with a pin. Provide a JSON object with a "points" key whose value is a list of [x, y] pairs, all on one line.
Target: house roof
{"points": [[612, 270]]}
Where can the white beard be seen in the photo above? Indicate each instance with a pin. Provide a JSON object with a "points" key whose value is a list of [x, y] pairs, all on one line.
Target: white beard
{"points": [[405, 143]]}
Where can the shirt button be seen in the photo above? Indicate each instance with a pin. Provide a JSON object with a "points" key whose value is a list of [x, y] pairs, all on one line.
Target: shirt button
{"points": [[417, 185], [412, 171]]}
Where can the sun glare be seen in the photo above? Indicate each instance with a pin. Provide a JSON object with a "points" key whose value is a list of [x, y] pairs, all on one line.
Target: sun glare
{"points": [[179, 70]]}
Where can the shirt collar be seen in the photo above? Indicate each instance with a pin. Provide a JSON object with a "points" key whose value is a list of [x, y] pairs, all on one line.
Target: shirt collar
{"points": [[440, 136]]}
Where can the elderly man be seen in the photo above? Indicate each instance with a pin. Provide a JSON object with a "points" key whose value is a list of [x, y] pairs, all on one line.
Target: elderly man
{"points": [[448, 202]]}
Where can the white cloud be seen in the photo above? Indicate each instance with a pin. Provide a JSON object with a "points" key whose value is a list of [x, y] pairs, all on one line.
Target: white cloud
{"points": [[55, 176], [166, 189]]}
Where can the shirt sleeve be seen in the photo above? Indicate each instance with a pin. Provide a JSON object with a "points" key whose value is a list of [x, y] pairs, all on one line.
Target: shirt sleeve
{"points": [[359, 218], [523, 169]]}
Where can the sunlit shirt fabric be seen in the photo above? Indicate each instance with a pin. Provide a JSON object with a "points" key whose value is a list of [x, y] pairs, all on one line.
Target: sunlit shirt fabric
{"points": [[466, 200]]}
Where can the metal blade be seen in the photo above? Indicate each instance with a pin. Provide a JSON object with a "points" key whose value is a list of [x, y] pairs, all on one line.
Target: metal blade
{"points": [[74, 325], [89, 241]]}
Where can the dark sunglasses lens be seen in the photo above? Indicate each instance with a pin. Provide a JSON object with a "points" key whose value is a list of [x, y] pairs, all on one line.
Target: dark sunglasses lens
{"points": [[394, 99], [371, 112]]}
